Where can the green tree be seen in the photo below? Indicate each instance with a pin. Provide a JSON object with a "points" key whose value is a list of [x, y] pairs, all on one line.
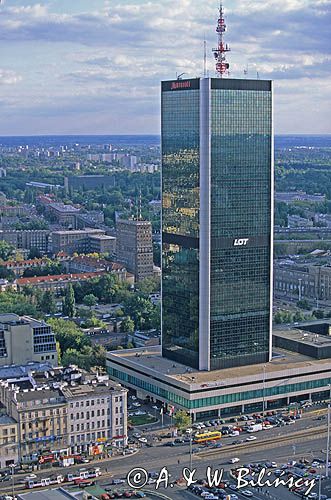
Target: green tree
{"points": [[85, 358], [47, 303], [6, 250], [148, 285], [69, 304], [182, 419], [140, 310], [13, 302], [68, 334], [155, 318], [318, 313], [127, 325], [35, 253], [304, 304], [298, 316], [58, 350], [90, 300], [7, 274]]}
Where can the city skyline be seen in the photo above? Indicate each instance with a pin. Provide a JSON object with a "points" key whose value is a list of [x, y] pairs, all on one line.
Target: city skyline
{"points": [[77, 68]]}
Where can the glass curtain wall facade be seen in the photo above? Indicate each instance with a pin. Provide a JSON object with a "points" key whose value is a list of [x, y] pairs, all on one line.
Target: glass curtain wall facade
{"points": [[180, 221], [217, 180], [241, 222]]}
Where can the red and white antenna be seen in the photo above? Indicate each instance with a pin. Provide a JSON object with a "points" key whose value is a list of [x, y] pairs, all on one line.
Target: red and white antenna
{"points": [[222, 66]]}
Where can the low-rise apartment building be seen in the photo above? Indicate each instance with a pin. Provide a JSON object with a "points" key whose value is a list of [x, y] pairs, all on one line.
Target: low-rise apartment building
{"points": [[60, 411], [83, 264], [56, 283], [96, 417], [8, 441]]}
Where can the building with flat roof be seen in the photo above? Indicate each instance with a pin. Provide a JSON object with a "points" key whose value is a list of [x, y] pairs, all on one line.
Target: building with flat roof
{"points": [[303, 280], [26, 239], [103, 244], [217, 221], [24, 339], [134, 247], [76, 240], [86, 182], [50, 494], [290, 376], [63, 214]]}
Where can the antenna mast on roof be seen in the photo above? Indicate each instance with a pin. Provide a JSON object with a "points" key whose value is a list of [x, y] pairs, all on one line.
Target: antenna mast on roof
{"points": [[139, 211], [222, 66]]}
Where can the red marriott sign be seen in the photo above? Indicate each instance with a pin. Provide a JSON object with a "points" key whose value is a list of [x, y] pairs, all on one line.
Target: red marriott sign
{"points": [[180, 85]]}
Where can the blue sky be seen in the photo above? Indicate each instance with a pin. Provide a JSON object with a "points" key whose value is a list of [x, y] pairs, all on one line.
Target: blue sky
{"points": [[94, 66]]}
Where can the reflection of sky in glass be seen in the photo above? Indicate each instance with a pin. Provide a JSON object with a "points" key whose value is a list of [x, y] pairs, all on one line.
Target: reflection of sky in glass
{"points": [[180, 216]]}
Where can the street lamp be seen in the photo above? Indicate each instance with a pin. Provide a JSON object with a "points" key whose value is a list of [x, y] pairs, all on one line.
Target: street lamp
{"points": [[191, 454], [12, 466], [263, 395], [328, 437]]}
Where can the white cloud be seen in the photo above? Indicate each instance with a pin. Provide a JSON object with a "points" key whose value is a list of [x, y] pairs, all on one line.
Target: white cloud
{"points": [[8, 77], [123, 50]]}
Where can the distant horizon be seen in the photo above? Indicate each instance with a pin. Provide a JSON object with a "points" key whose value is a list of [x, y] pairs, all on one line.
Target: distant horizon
{"points": [[144, 135]]}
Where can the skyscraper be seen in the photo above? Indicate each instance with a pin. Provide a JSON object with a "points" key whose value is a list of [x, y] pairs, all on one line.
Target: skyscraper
{"points": [[217, 221]]}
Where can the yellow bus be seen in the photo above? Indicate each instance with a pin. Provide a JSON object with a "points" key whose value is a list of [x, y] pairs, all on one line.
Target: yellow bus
{"points": [[207, 436]]}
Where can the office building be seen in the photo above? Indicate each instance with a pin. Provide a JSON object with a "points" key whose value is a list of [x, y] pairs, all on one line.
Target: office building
{"points": [[134, 247], [71, 241], [217, 190], [294, 374], [24, 339], [102, 244], [65, 215], [26, 239]]}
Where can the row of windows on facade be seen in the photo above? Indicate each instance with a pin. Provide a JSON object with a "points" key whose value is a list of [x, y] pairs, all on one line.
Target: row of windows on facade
{"points": [[47, 357], [99, 424], [33, 435], [44, 413], [45, 424], [93, 413], [92, 402]]}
